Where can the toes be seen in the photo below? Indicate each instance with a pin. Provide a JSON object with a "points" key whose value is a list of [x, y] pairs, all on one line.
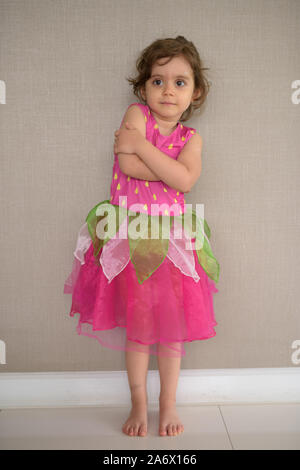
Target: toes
{"points": [[143, 430], [171, 429], [135, 430], [170, 432]]}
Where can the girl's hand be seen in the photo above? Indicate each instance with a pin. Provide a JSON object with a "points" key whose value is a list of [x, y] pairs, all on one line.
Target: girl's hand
{"points": [[126, 140]]}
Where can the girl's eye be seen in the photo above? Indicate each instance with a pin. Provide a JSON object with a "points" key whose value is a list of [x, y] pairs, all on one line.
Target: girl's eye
{"points": [[159, 80]]}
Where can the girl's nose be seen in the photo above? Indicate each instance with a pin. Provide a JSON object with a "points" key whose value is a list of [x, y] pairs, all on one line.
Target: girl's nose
{"points": [[168, 88]]}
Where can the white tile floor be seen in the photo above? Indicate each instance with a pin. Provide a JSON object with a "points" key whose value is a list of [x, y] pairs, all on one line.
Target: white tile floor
{"points": [[232, 427]]}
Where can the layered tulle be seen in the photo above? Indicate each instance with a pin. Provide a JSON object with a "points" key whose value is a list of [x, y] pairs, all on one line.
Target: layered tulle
{"points": [[148, 295]]}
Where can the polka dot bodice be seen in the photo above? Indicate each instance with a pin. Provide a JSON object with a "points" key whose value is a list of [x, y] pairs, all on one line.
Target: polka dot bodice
{"points": [[144, 192]]}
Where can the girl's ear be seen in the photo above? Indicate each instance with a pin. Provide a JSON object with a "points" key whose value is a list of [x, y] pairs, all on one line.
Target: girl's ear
{"points": [[143, 92], [197, 94]]}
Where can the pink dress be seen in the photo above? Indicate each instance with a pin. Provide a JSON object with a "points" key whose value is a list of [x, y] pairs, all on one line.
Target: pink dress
{"points": [[144, 294]]}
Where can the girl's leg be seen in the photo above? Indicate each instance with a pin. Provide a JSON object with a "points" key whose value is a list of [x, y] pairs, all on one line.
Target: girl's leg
{"points": [[169, 368], [137, 368]]}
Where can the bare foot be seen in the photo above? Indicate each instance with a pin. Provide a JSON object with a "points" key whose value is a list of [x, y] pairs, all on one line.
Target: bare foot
{"points": [[136, 424], [169, 422]]}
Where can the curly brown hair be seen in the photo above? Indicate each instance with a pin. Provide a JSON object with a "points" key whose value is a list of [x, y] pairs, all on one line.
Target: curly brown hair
{"points": [[170, 47]]}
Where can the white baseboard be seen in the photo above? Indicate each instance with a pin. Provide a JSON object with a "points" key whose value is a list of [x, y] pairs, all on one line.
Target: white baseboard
{"points": [[195, 387]]}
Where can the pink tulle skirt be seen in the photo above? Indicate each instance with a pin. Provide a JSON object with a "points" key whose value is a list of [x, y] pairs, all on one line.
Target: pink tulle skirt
{"points": [[156, 317]]}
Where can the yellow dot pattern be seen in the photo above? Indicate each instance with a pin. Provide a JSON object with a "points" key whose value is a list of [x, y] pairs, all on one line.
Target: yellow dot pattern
{"points": [[147, 182]]}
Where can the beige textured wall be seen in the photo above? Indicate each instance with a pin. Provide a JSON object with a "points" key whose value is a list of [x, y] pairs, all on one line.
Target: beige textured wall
{"points": [[64, 64]]}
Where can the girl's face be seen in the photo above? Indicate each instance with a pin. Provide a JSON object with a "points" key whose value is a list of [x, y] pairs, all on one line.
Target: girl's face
{"points": [[172, 83]]}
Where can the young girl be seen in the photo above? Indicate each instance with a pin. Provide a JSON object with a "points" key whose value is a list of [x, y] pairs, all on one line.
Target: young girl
{"points": [[134, 288]]}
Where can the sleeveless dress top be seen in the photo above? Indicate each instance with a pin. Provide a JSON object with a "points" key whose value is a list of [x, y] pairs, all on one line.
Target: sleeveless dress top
{"points": [[147, 193]]}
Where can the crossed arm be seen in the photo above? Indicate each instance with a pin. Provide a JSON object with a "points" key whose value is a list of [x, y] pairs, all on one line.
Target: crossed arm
{"points": [[161, 167], [147, 162], [136, 168]]}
